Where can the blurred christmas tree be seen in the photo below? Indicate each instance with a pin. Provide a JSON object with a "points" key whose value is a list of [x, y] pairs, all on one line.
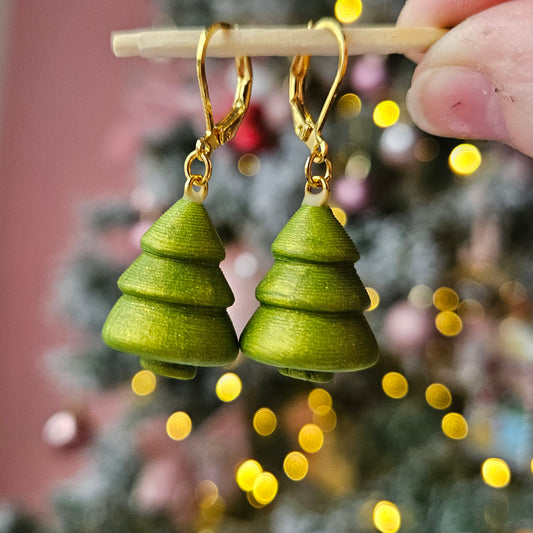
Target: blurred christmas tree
{"points": [[438, 436]]}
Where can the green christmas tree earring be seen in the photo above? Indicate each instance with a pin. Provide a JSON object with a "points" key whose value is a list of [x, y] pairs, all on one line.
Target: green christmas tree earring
{"points": [[310, 321], [173, 310]]}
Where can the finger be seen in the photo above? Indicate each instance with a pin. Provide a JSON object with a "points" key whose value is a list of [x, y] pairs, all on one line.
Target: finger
{"points": [[477, 80], [441, 13]]}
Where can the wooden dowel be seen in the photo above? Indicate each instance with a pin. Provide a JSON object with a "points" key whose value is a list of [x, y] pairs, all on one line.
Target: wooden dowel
{"points": [[275, 41]]}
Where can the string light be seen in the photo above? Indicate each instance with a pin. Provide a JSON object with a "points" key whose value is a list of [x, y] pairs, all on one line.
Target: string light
{"points": [[179, 425], [496, 473], [374, 298], [311, 438], [325, 418], [445, 299], [438, 396], [319, 397], [349, 106], [228, 387], [295, 466], [265, 488], [449, 323], [464, 159], [143, 382], [264, 421], [340, 215], [394, 385], [249, 164], [386, 113], [454, 426], [386, 517], [247, 473], [348, 11]]}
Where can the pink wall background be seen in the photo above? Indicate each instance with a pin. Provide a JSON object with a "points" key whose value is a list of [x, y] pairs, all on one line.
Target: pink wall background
{"points": [[63, 88]]}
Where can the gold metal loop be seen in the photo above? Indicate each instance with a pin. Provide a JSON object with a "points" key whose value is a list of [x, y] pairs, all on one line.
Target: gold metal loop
{"points": [[315, 157], [305, 128], [224, 130], [198, 179], [195, 195]]}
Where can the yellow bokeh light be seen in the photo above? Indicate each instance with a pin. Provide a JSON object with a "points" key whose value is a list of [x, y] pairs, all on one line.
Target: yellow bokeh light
{"points": [[348, 11], [252, 501], [454, 426], [438, 396], [319, 397], [374, 298], [358, 166], [179, 425], [386, 113], [265, 421], [349, 106], [340, 215], [228, 387], [249, 164], [206, 493], [449, 323], [295, 466], [394, 385], [247, 474], [386, 517], [496, 473], [531, 466], [143, 383], [311, 438], [445, 299], [265, 487], [464, 159], [325, 418]]}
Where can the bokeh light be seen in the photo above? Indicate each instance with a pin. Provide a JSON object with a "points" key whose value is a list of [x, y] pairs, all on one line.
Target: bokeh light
{"points": [[348, 11], [179, 425], [249, 164], [228, 387], [311, 438], [295, 466], [394, 385], [386, 517], [438, 396], [496, 473], [427, 149], [325, 418], [247, 473], [449, 323], [374, 298], [358, 166], [264, 421], [445, 299], [143, 383], [348, 106], [319, 397], [454, 426], [340, 215], [386, 113], [206, 493], [420, 296], [465, 159], [265, 487]]}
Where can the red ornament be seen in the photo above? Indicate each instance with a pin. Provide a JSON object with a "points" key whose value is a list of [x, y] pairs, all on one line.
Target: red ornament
{"points": [[253, 133]]}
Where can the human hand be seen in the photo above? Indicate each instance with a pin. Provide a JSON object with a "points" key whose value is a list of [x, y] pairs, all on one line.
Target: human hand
{"points": [[475, 82]]}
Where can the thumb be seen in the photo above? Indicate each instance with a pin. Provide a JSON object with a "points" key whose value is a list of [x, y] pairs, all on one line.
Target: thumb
{"points": [[477, 80]]}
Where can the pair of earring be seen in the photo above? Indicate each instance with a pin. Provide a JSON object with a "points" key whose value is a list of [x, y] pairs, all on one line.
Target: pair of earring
{"points": [[309, 324]]}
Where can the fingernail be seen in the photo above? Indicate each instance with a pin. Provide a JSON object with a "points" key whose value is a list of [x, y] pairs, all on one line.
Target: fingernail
{"points": [[456, 102]]}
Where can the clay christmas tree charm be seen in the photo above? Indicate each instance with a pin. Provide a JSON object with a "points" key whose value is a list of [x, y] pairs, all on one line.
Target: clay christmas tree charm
{"points": [[310, 320], [173, 310]]}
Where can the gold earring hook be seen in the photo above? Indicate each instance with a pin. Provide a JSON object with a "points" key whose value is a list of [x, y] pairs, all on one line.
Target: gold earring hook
{"points": [[224, 130], [305, 128]]}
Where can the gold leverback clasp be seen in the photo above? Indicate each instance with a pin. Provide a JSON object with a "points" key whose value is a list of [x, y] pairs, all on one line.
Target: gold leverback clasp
{"points": [[306, 129], [224, 130]]}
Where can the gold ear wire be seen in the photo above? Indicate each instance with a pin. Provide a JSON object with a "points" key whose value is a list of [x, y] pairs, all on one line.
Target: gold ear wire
{"points": [[225, 129]]}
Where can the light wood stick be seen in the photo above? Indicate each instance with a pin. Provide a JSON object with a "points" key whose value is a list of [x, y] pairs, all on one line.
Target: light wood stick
{"points": [[274, 41]]}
